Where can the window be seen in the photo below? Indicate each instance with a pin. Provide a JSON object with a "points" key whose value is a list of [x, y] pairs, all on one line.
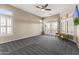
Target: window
{"points": [[5, 25], [63, 25], [70, 26], [67, 26]]}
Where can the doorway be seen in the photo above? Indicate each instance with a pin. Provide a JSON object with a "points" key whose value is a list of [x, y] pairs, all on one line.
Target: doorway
{"points": [[51, 28]]}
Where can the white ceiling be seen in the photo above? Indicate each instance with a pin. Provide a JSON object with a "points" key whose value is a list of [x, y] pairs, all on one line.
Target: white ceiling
{"points": [[56, 9]]}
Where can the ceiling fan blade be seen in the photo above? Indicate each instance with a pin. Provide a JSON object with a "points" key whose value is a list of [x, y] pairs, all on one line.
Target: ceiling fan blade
{"points": [[46, 5], [37, 6], [48, 9]]}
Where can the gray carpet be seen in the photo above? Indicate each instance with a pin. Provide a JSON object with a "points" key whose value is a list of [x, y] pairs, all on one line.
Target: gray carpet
{"points": [[39, 45], [33, 49]]}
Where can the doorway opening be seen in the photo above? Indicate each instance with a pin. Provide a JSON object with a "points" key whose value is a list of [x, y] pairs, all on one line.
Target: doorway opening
{"points": [[51, 28]]}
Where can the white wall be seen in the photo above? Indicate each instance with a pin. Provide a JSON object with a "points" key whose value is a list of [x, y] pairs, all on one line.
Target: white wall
{"points": [[28, 29], [24, 25]]}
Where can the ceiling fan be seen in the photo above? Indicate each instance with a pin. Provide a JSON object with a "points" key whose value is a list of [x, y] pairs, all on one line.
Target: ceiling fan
{"points": [[43, 7]]}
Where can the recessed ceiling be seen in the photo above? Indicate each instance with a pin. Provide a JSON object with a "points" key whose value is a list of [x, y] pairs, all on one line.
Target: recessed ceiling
{"points": [[56, 9]]}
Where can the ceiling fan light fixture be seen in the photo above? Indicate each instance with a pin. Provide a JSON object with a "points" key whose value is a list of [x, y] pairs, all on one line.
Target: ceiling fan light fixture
{"points": [[42, 9]]}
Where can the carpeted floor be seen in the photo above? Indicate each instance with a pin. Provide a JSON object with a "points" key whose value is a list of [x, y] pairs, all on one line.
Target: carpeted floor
{"points": [[33, 49], [39, 45]]}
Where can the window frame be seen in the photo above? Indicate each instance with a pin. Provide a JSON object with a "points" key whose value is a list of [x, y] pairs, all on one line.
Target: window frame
{"points": [[6, 26]]}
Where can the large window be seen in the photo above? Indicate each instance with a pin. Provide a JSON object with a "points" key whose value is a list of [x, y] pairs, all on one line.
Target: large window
{"points": [[5, 25], [67, 26], [70, 26], [63, 26]]}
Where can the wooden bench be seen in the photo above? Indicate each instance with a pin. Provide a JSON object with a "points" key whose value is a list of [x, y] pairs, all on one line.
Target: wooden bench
{"points": [[65, 36]]}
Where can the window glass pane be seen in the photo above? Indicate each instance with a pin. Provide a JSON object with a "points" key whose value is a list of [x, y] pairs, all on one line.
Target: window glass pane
{"points": [[5, 25], [5, 11], [70, 26], [9, 30], [63, 26], [3, 21], [3, 30], [9, 22]]}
